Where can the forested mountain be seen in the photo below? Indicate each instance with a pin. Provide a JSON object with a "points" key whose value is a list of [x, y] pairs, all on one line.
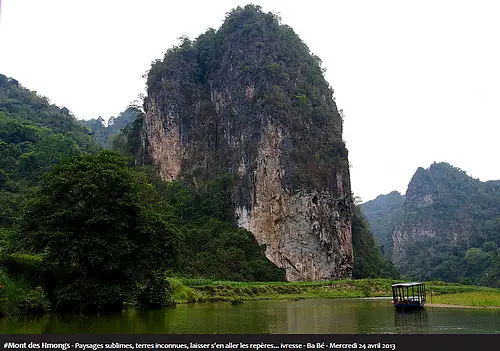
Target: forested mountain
{"points": [[70, 210], [381, 214], [105, 133], [448, 227], [87, 229], [34, 134]]}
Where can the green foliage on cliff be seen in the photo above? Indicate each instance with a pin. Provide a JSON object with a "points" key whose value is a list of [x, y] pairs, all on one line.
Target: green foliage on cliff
{"points": [[235, 80], [368, 262]]}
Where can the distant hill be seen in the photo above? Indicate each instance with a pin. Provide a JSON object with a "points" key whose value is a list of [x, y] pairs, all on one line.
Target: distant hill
{"points": [[448, 227], [104, 133], [381, 214], [34, 134]]}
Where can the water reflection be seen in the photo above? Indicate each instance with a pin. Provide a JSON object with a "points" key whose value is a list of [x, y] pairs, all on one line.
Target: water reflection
{"points": [[411, 322], [317, 316], [261, 317]]}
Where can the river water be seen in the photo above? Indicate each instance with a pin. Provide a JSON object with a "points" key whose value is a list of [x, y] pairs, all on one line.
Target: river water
{"points": [[318, 316]]}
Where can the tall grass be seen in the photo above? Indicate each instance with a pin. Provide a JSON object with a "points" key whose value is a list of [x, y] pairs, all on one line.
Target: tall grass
{"points": [[386, 283], [474, 298], [180, 292], [214, 290]]}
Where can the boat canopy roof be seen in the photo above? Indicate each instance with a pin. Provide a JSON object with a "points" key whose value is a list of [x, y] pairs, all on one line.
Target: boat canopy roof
{"points": [[406, 284]]}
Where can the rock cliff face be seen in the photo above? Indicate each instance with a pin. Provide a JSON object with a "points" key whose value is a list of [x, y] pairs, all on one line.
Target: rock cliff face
{"points": [[428, 212], [250, 100]]}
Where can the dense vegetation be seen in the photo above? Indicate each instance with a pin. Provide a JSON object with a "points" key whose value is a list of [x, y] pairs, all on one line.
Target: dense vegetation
{"points": [[213, 244], [368, 262], [97, 240], [33, 135], [103, 133], [381, 213], [97, 233], [81, 230], [453, 221]]}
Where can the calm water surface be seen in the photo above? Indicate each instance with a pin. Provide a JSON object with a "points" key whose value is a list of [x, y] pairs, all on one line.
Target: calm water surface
{"points": [[304, 316]]}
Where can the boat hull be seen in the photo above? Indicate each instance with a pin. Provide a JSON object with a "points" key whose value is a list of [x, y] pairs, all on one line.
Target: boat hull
{"points": [[405, 306]]}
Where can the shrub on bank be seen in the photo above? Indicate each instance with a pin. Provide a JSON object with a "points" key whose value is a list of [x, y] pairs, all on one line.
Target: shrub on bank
{"points": [[154, 293], [180, 292], [18, 297]]}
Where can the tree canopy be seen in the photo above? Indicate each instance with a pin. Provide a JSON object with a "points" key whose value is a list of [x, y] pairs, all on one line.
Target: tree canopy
{"points": [[96, 237]]}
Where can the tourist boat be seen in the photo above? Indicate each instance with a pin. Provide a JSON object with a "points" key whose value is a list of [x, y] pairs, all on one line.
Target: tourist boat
{"points": [[408, 295]]}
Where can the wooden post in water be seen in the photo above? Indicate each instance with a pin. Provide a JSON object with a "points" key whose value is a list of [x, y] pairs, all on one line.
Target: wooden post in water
{"points": [[431, 292]]}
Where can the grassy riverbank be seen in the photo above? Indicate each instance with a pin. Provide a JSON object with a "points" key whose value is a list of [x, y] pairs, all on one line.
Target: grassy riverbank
{"points": [[474, 299], [204, 290]]}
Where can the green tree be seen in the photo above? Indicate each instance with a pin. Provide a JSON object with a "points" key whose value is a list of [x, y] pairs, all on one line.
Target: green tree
{"points": [[477, 261], [96, 237], [104, 135]]}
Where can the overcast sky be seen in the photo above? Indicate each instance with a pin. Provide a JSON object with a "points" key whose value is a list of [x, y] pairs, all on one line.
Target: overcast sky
{"points": [[419, 81]]}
